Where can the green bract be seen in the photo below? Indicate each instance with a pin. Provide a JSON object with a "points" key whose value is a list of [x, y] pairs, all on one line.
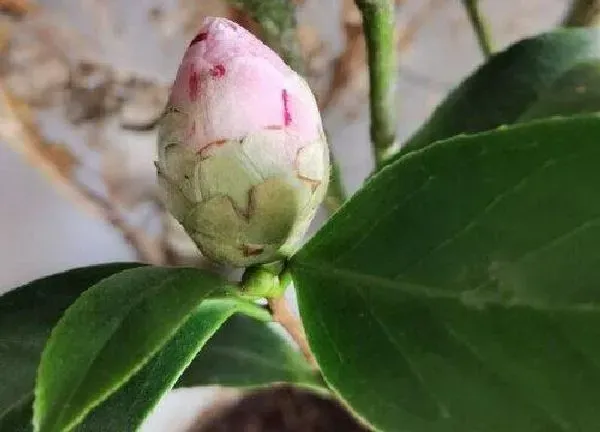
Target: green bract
{"points": [[243, 203]]}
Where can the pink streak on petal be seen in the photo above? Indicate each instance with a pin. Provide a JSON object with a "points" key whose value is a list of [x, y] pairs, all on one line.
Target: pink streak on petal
{"points": [[218, 71], [193, 83], [287, 116], [191, 131], [199, 38]]}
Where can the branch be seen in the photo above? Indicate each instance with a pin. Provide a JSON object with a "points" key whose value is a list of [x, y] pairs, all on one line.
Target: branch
{"points": [[583, 13], [277, 21], [378, 25], [271, 281], [283, 315], [479, 26], [21, 133], [336, 194], [349, 66], [16, 7]]}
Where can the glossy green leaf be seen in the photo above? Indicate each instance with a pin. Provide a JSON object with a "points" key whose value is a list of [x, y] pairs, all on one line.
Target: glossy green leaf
{"points": [[576, 92], [126, 409], [460, 289], [244, 352], [248, 353], [108, 334], [506, 86], [27, 315]]}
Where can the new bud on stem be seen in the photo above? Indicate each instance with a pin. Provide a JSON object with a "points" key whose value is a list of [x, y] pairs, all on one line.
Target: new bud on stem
{"points": [[243, 161]]}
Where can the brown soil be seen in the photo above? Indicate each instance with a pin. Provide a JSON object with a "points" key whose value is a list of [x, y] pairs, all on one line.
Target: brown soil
{"points": [[282, 409]]}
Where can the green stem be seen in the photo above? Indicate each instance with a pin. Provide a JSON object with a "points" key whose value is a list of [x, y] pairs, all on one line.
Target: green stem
{"points": [[583, 13], [479, 26], [336, 194], [378, 26], [263, 281], [277, 20]]}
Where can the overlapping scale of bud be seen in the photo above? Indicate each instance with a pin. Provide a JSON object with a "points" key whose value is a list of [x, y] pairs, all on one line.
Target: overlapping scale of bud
{"points": [[243, 161]]}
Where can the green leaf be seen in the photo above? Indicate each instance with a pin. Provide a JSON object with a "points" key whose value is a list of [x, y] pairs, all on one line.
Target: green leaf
{"points": [[577, 92], [27, 315], [126, 409], [243, 352], [18, 417], [108, 334], [501, 90], [459, 290], [277, 20], [248, 353]]}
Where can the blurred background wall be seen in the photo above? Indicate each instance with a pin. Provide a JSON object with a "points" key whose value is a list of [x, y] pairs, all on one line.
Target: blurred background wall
{"points": [[82, 83]]}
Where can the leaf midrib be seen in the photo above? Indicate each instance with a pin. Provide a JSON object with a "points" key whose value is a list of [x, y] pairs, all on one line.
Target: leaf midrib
{"points": [[431, 292], [234, 308], [443, 410], [144, 297]]}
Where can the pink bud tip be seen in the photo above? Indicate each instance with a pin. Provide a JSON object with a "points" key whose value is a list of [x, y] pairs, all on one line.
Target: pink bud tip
{"points": [[231, 85]]}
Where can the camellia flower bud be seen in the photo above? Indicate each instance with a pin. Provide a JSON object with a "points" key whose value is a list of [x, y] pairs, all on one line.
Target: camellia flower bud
{"points": [[243, 161]]}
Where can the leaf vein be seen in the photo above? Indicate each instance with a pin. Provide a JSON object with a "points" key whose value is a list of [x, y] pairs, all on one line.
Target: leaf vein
{"points": [[432, 292], [67, 402], [551, 243], [442, 409], [493, 203], [389, 211], [462, 340]]}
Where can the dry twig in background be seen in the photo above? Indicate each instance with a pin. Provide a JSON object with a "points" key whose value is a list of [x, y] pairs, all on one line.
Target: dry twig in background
{"points": [[17, 7], [479, 26], [18, 129], [349, 68], [583, 13]]}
